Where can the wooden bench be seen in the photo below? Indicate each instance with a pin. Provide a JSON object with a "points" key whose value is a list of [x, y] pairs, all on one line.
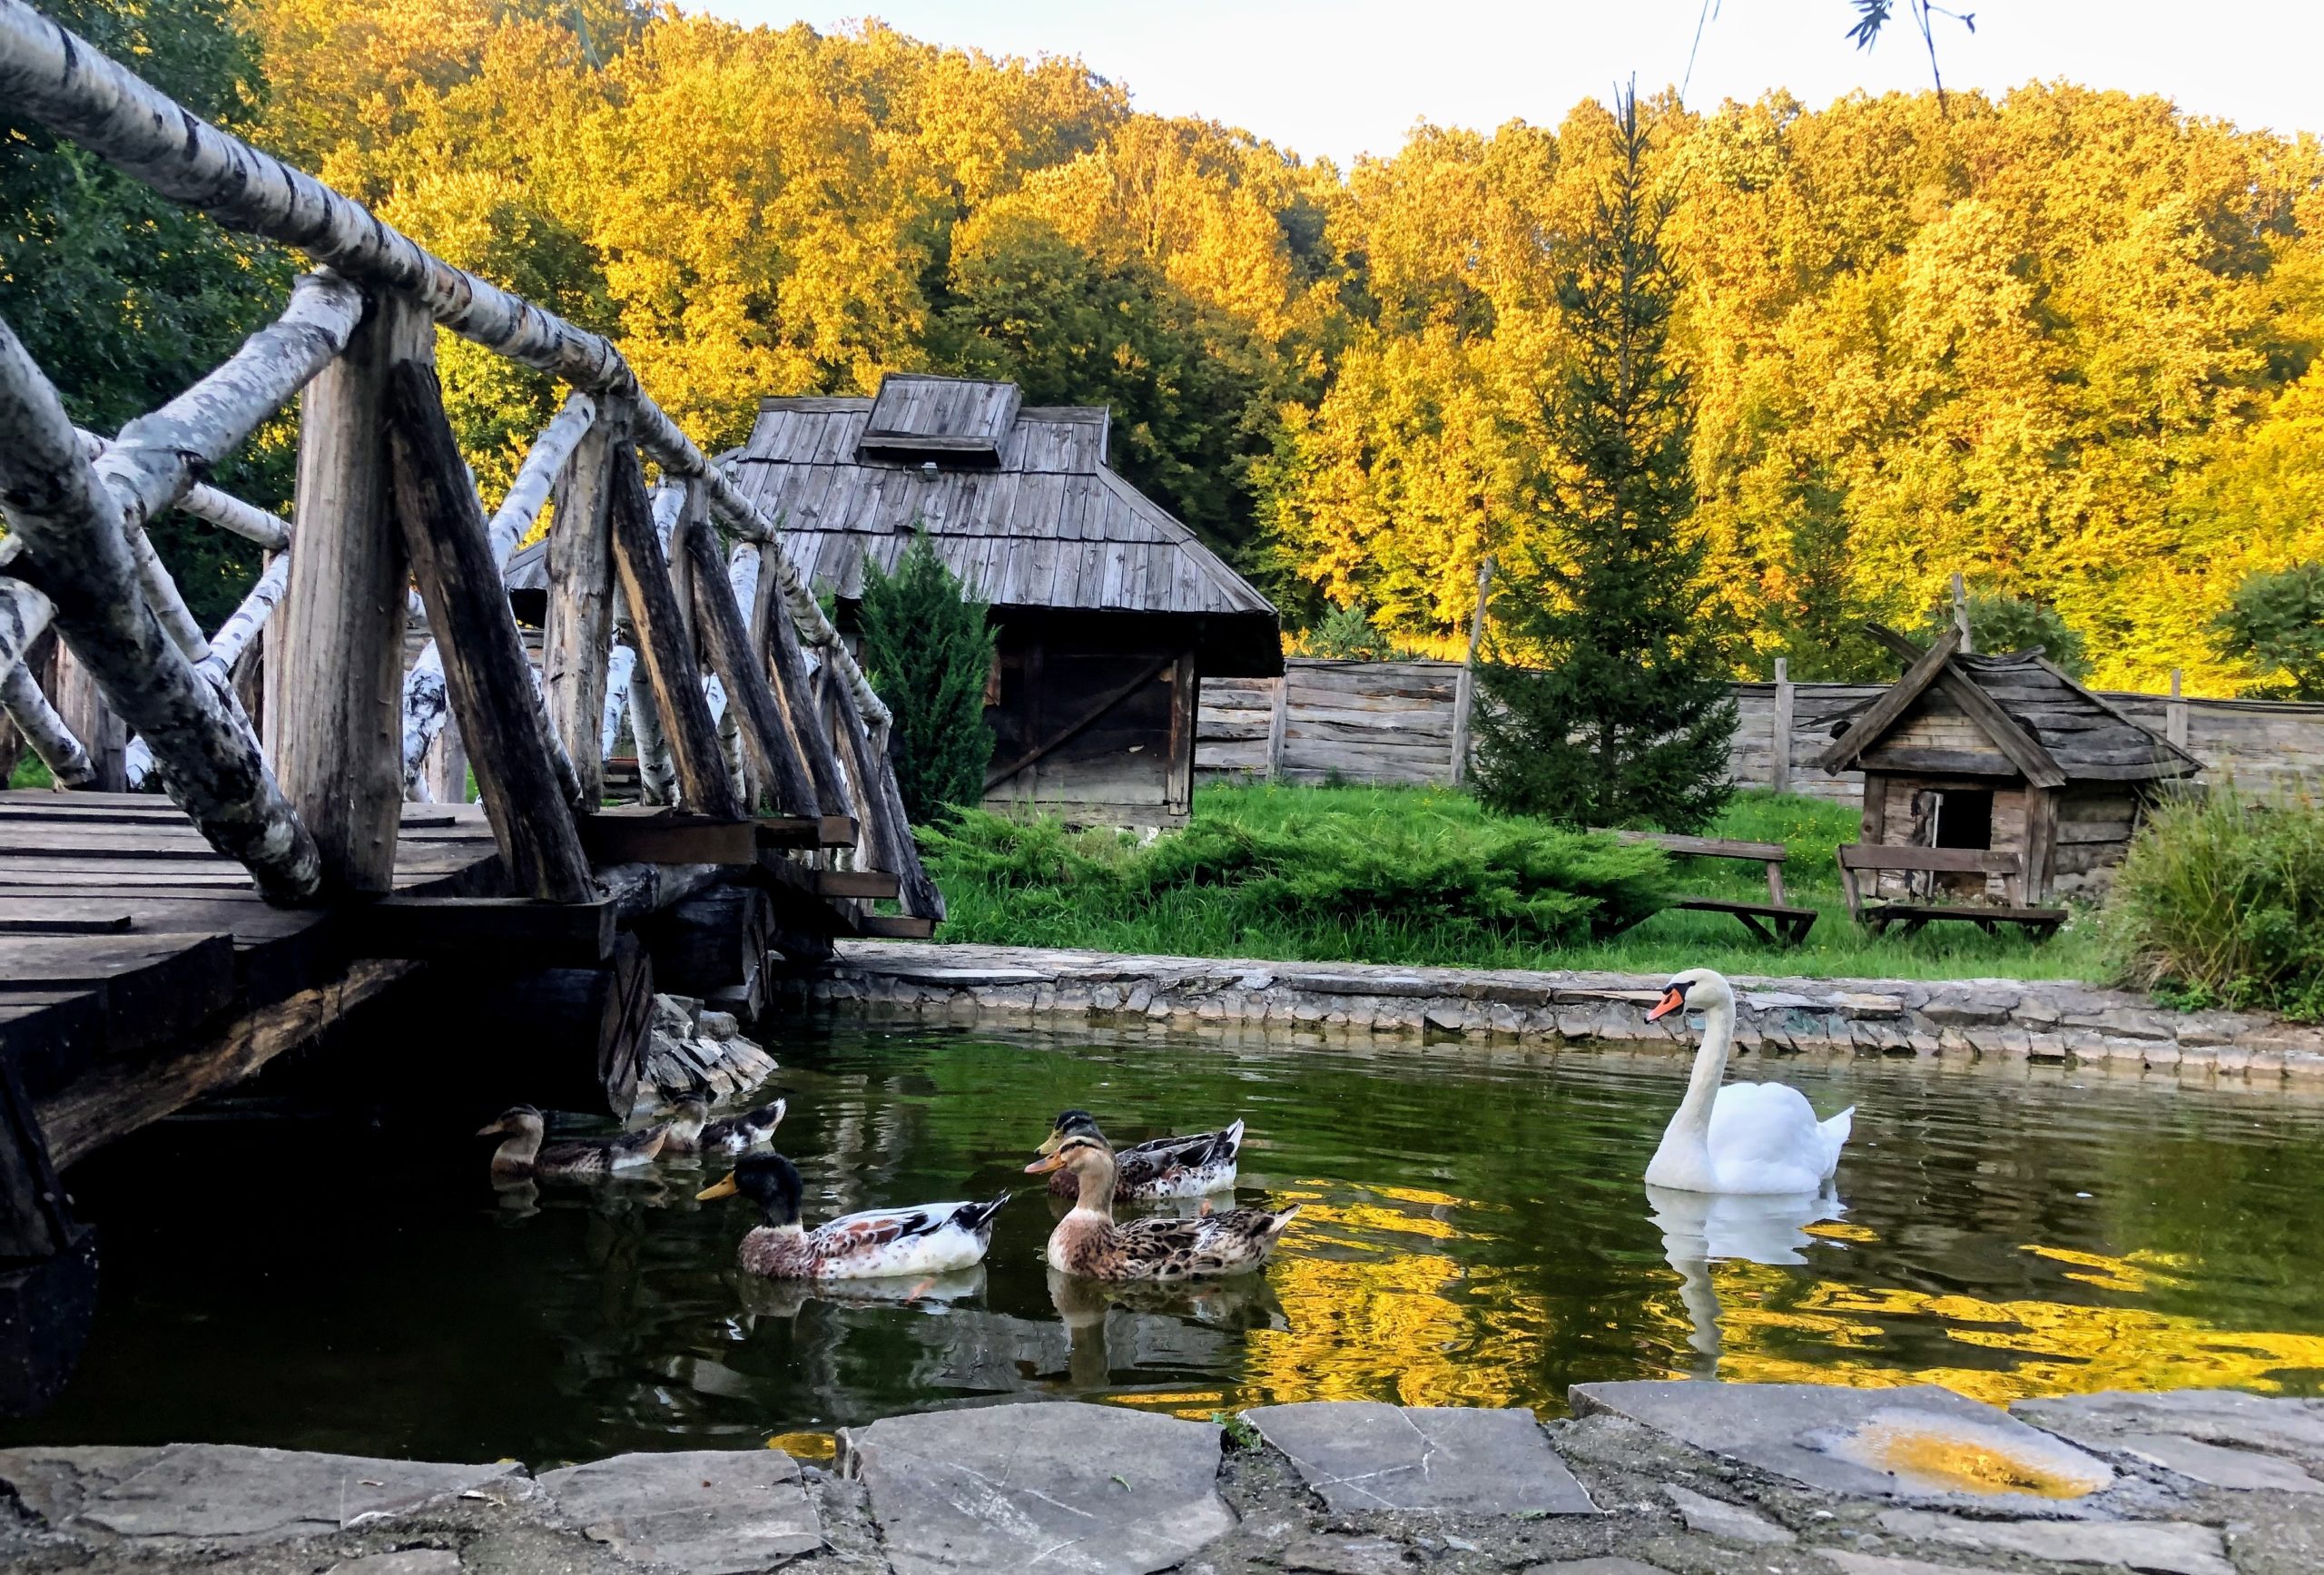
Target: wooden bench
{"points": [[1876, 915], [1775, 921]]}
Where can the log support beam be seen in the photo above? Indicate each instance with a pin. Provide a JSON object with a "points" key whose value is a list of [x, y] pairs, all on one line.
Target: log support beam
{"points": [[665, 650], [579, 632]]}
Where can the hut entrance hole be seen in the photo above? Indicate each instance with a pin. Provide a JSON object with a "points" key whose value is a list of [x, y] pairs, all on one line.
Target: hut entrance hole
{"points": [[1964, 819]]}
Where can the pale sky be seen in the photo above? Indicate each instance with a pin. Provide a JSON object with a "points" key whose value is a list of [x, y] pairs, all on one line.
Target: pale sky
{"points": [[1350, 77]]}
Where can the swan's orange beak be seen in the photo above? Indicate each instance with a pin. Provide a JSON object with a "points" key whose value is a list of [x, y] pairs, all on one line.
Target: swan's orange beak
{"points": [[1043, 1166], [1673, 999]]}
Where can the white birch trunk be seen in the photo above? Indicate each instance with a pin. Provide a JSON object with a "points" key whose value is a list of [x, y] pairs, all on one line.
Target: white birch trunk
{"points": [[24, 614], [71, 527], [620, 664], [43, 730], [223, 510]]}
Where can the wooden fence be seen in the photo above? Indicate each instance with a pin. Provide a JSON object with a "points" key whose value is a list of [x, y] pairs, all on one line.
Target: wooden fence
{"points": [[1397, 723]]}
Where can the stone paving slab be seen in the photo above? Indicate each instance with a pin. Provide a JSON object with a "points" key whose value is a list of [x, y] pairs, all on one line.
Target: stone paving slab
{"points": [[1614, 1565], [1726, 1521], [233, 1494], [2156, 1547], [2219, 1437], [1920, 1442], [1367, 1455], [1063, 1486], [705, 1511], [1883, 1564]]}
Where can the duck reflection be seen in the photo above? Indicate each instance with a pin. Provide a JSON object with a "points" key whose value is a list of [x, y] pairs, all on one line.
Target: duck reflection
{"points": [[1698, 1228], [764, 1298], [1168, 1325]]}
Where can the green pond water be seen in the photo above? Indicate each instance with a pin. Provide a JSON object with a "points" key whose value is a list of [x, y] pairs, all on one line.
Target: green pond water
{"points": [[1474, 1232]]}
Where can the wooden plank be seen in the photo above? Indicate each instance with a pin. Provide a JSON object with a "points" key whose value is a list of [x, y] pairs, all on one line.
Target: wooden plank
{"points": [[512, 930], [1938, 763], [151, 988], [1885, 711], [639, 836], [335, 644], [777, 754], [1711, 847], [102, 918], [1951, 861], [894, 927], [665, 650], [486, 671]]}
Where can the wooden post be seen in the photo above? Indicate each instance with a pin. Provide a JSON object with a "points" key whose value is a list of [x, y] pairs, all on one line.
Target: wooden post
{"points": [[670, 667], [80, 705], [773, 632], [336, 643], [775, 753], [1278, 717], [1782, 741], [485, 668], [447, 765], [1465, 691], [1961, 615], [579, 628], [1178, 783], [2174, 713]]}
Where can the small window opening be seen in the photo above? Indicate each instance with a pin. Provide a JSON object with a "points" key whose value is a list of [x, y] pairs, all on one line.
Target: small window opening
{"points": [[1965, 819]]}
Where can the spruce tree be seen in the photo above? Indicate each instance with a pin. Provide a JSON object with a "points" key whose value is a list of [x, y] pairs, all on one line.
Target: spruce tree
{"points": [[1607, 704], [928, 650]]}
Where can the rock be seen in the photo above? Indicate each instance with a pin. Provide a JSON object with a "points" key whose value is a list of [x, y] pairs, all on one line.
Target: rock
{"points": [[2156, 1547], [1347, 1556], [408, 1561], [2241, 1469], [1879, 1564], [1367, 1455], [1612, 1565], [1919, 1442], [1728, 1523], [721, 1026], [233, 1494], [707, 1511], [2219, 1416], [1072, 1487]]}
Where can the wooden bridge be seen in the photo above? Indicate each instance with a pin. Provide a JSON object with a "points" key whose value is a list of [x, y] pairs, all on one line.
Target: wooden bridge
{"points": [[156, 948]]}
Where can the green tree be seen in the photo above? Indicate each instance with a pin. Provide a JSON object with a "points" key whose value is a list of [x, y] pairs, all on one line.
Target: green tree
{"points": [[125, 297], [2274, 624], [2001, 624], [928, 650], [1627, 718]]}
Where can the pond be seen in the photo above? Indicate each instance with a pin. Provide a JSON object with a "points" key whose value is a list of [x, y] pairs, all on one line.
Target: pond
{"points": [[1474, 1232]]}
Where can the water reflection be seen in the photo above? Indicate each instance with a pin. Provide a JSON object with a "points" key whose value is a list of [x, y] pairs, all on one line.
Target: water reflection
{"points": [[1474, 1233], [1700, 1228]]}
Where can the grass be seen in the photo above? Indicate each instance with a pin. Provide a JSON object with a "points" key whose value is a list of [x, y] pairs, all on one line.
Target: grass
{"points": [[1039, 885], [30, 772]]}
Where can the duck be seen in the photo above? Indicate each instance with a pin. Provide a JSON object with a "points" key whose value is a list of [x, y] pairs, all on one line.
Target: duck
{"points": [[1758, 1138], [523, 1155], [691, 1131], [936, 1239], [1193, 1167], [1088, 1243]]}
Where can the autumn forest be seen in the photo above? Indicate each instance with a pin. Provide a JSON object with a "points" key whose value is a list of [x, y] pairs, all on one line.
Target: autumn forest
{"points": [[2062, 342]]}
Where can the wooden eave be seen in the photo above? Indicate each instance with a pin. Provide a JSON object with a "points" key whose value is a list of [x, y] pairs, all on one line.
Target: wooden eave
{"points": [[1935, 666]]}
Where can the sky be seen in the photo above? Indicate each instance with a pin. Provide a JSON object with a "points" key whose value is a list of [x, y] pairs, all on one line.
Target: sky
{"points": [[1353, 76]]}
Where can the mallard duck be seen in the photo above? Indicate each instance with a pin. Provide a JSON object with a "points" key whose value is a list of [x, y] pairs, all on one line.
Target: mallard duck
{"points": [[523, 1154], [1192, 1167], [691, 1131], [932, 1239], [1087, 1241]]}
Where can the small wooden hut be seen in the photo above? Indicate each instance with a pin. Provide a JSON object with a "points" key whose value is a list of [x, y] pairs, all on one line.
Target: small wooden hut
{"points": [[2002, 754], [1111, 613]]}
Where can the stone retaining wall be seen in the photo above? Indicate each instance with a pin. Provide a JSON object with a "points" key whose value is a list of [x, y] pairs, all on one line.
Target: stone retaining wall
{"points": [[1648, 1479], [2056, 1020]]}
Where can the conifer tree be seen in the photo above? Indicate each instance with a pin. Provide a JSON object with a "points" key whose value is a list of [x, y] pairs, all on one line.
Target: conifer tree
{"points": [[1618, 712], [927, 651]]}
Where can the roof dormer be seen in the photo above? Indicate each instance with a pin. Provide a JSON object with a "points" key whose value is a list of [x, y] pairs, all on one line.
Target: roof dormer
{"points": [[951, 422]]}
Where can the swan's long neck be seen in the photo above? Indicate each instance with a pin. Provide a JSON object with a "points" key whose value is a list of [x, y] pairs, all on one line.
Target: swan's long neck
{"points": [[1710, 1066]]}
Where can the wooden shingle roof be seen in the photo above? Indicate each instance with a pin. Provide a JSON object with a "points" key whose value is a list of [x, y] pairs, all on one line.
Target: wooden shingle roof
{"points": [[2050, 728], [1042, 523]]}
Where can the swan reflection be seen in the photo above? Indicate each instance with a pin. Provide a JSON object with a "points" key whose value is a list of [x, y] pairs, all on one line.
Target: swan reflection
{"points": [[1698, 1228]]}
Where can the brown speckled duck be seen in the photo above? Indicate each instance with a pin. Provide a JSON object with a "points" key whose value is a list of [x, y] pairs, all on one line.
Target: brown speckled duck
{"points": [[1087, 1242], [1191, 1166], [523, 1154]]}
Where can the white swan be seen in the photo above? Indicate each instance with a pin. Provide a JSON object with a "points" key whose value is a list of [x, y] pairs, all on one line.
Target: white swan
{"points": [[1746, 1137]]}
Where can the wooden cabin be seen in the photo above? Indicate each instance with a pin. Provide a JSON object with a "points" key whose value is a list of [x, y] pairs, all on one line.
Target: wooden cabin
{"points": [[1111, 613], [2005, 754]]}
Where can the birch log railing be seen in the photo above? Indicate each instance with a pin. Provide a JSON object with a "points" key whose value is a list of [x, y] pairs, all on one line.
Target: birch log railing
{"points": [[388, 512]]}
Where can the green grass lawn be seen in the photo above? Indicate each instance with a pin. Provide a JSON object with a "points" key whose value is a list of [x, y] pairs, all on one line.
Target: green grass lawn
{"points": [[29, 772], [1066, 899]]}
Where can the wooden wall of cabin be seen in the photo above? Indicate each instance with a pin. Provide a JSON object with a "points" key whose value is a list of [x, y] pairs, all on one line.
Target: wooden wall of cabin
{"points": [[1902, 809], [2094, 821], [1104, 711]]}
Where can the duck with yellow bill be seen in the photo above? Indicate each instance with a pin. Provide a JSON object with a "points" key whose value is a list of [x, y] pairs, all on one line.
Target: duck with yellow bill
{"points": [[1090, 1243]]}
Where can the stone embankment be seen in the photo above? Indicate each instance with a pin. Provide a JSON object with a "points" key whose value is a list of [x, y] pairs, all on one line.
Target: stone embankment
{"points": [[1646, 1479], [1994, 1018]]}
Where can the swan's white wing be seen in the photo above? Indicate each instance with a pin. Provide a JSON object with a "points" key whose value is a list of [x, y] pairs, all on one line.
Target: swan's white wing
{"points": [[1764, 1138]]}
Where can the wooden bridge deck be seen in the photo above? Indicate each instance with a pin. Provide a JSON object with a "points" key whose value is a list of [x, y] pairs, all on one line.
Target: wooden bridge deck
{"points": [[124, 938]]}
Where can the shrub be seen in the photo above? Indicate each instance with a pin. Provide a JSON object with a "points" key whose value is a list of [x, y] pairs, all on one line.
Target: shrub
{"points": [[2002, 625], [2221, 902], [1348, 635], [927, 651]]}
